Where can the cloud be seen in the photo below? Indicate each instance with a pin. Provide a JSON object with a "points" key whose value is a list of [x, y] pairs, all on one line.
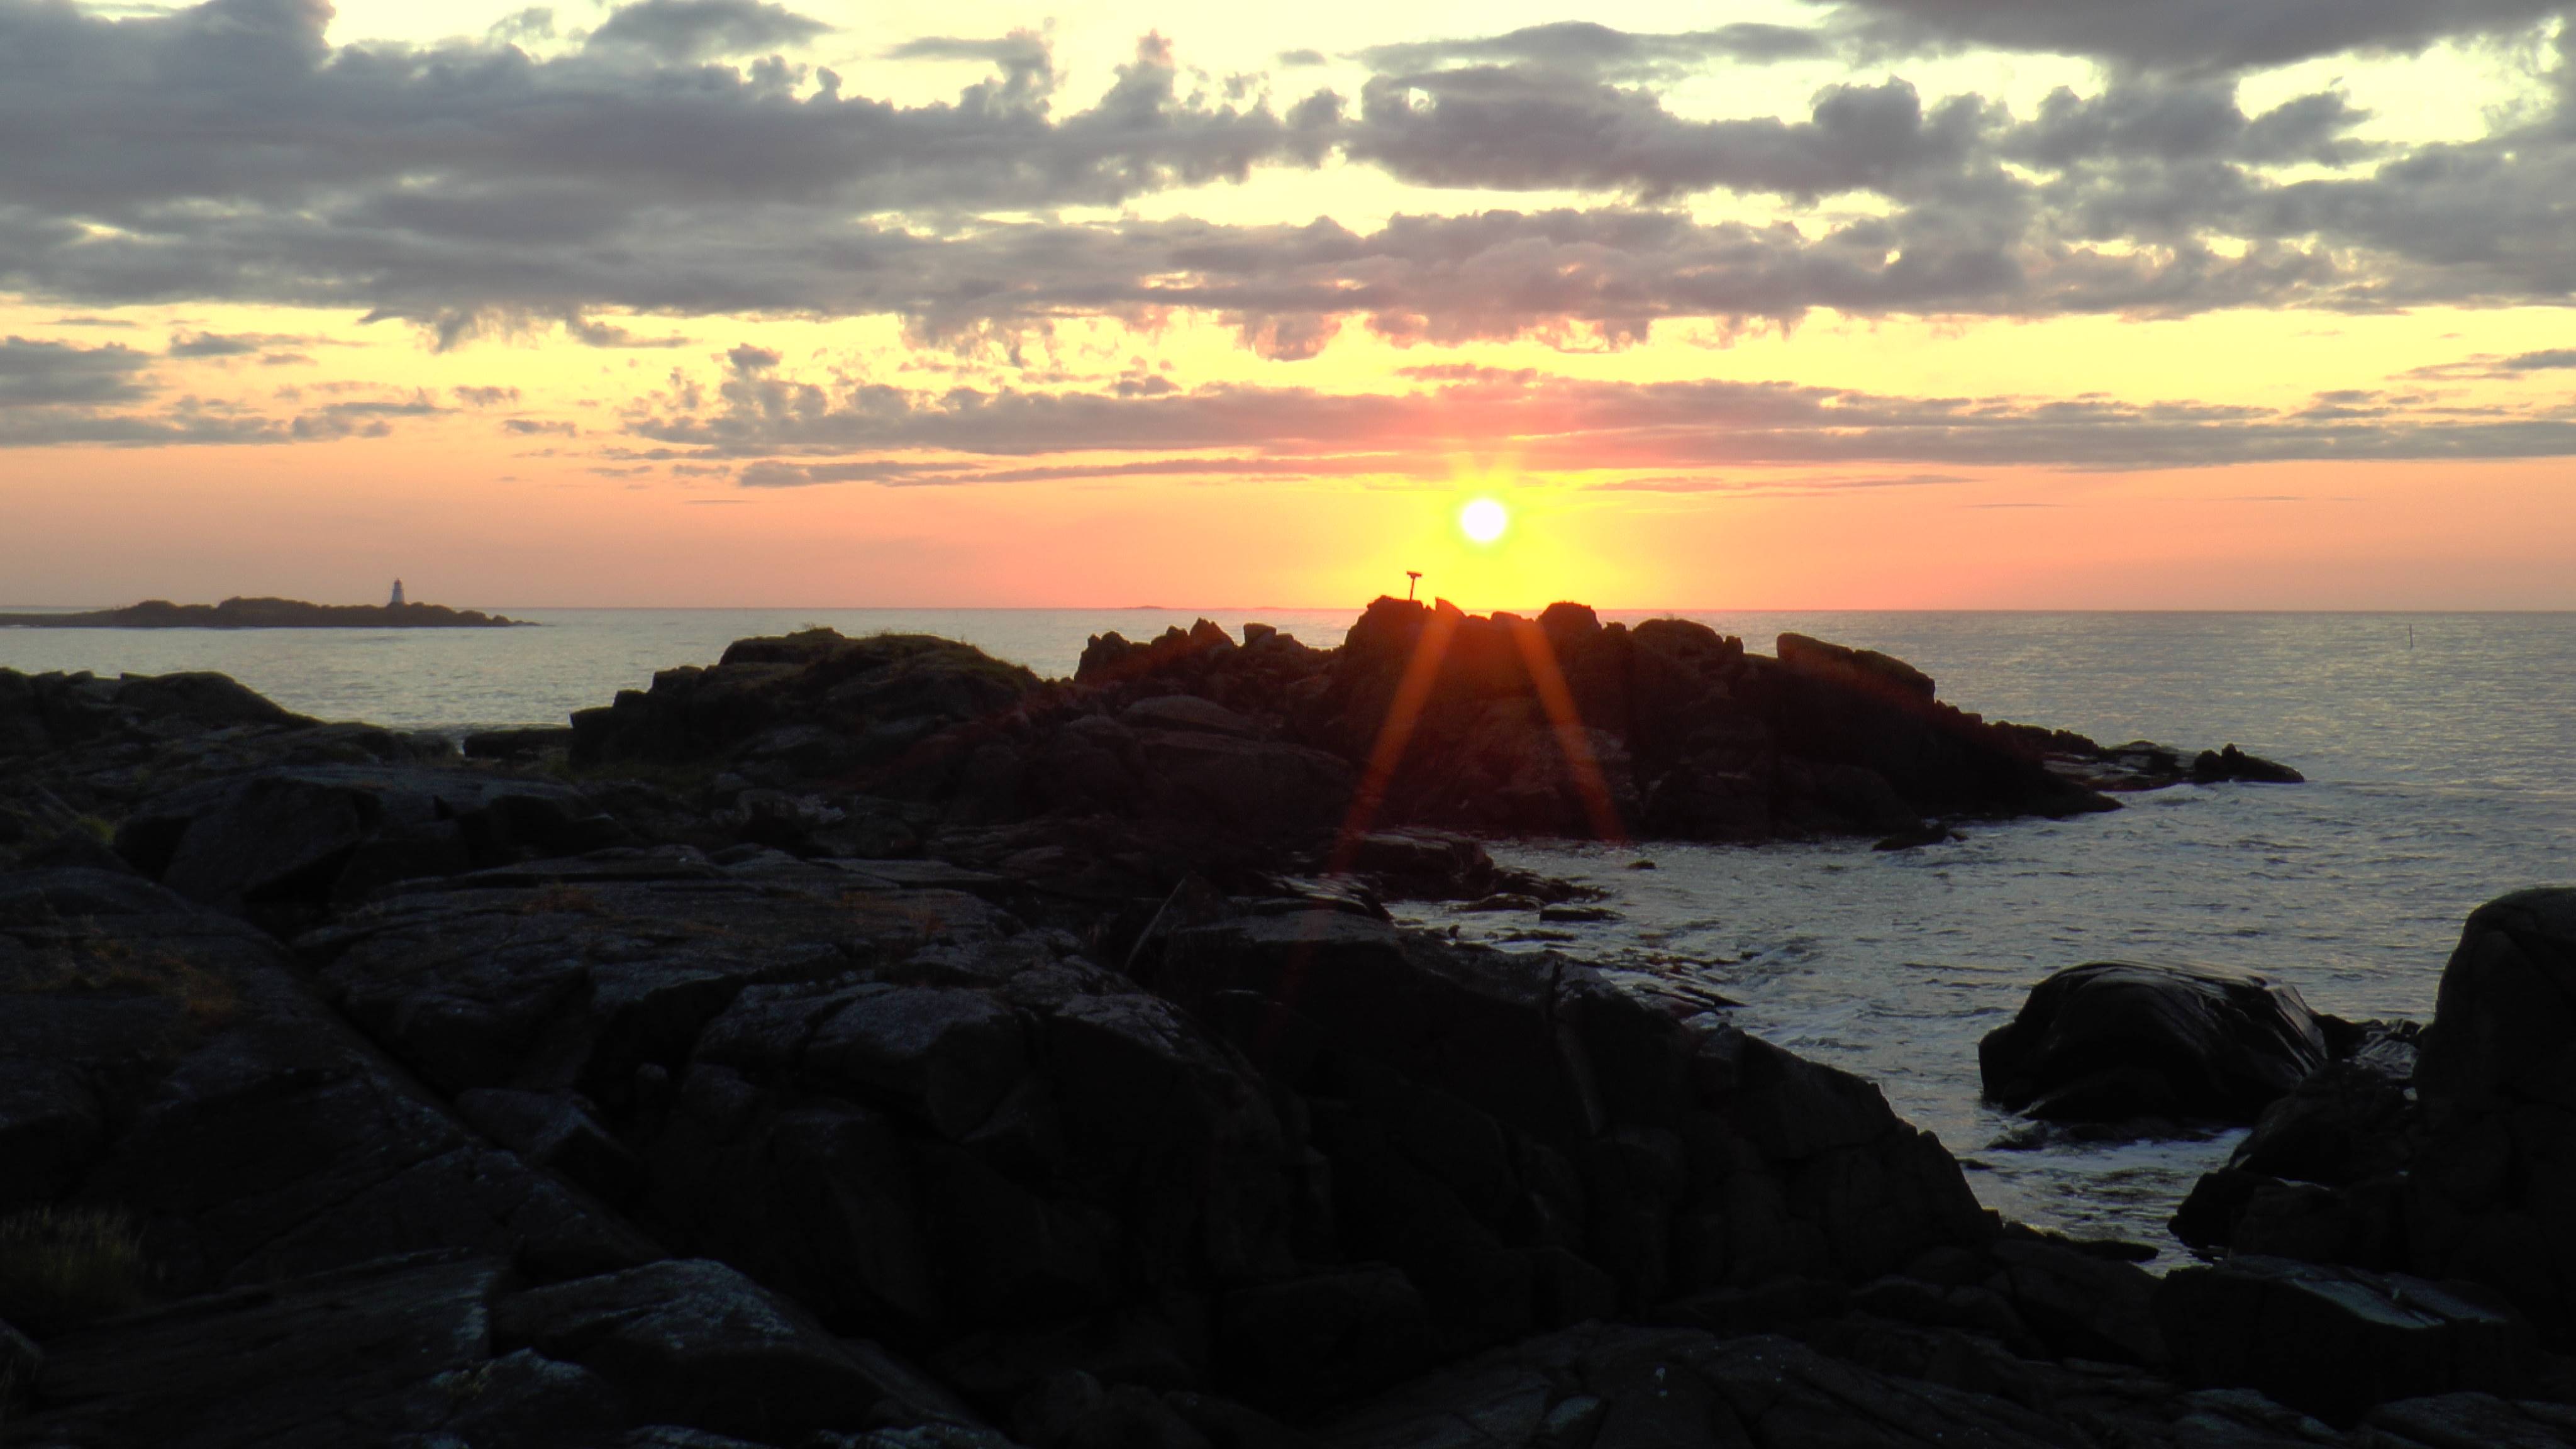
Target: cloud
{"points": [[693, 30], [60, 374], [790, 432], [485, 397], [2488, 365], [477, 192], [1591, 49], [208, 344], [58, 393], [357, 419], [2181, 35]]}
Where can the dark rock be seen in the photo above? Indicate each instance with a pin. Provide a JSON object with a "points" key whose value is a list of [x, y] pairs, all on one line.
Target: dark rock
{"points": [[1324, 1338], [303, 836], [264, 613], [559, 1134], [356, 1356], [2472, 1421], [1930, 832], [165, 1059], [1620, 1386], [20, 1362], [1187, 712], [696, 1343], [2115, 1040], [2232, 763], [2334, 1341], [878, 698], [2080, 1304], [2497, 1080], [1866, 667], [518, 744]]}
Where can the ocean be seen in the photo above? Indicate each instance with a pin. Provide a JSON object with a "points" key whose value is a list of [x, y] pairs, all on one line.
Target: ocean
{"points": [[2440, 751]]}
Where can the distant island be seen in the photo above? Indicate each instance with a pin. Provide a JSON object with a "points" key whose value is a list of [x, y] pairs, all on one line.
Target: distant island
{"points": [[265, 614]]}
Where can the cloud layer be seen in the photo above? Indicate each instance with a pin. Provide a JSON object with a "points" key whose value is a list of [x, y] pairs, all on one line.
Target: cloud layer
{"points": [[672, 163], [231, 152]]}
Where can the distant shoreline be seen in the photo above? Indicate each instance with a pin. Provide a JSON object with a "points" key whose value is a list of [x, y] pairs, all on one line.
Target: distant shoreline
{"points": [[267, 614]]}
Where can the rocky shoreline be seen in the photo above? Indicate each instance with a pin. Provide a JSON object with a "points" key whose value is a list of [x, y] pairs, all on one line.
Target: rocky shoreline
{"points": [[266, 614], [866, 1043]]}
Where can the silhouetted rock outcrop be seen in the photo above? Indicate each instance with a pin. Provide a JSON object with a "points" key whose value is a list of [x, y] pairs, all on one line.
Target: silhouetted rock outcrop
{"points": [[2116, 1040], [860, 1044], [264, 614], [1423, 716], [2443, 1162]]}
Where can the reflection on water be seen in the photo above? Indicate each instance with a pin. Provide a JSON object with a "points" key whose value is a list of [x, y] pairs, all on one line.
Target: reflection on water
{"points": [[2441, 777]]}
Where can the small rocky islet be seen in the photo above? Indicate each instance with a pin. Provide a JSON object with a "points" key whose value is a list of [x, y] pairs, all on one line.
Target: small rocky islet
{"points": [[862, 1042], [263, 613]]}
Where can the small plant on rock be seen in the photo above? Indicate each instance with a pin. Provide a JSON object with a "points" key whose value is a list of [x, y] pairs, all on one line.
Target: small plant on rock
{"points": [[63, 1267]]}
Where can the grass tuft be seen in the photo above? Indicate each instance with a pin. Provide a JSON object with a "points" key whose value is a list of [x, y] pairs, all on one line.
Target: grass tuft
{"points": [[63, 1267]]}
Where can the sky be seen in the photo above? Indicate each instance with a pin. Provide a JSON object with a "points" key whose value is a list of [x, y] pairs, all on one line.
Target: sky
{"points": [[2061, 304]]}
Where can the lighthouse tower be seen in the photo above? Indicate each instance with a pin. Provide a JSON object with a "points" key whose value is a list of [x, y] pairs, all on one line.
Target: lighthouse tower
{"points": [[397, 600]]}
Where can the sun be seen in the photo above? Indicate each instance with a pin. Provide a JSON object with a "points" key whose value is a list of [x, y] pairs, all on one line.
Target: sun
{"points": [[1483, 520]]}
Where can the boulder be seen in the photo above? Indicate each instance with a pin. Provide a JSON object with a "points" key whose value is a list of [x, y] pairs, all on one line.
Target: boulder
{"points": [[2111, 1041], [805, 705], [165, 1059], [697, 1344], [362, 1355], [1622, 1385], [288, 840], [2490, 1192], [2334, 1341]]}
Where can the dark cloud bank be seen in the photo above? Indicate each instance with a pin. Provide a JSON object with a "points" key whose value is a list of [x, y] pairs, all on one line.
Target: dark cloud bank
{"points": [[667, 164]]}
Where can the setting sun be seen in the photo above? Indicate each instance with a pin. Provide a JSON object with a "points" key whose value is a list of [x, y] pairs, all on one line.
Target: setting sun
{"points": [[1483, 520]]}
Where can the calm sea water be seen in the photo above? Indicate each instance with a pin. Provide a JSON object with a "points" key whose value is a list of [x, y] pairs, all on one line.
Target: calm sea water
{"points": [[2441, 751]]}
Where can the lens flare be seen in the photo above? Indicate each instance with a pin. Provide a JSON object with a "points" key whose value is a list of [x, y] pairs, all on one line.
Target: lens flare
{"points": [[1483, 520]]}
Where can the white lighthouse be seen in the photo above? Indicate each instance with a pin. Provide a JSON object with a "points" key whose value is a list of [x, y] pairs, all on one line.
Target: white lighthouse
{"points": [[397, 601]]}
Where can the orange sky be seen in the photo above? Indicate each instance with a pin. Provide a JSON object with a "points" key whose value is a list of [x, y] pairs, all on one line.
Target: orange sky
{"points": [[1795, 308]]}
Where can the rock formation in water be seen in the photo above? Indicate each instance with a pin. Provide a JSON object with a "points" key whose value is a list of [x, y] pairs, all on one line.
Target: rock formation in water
{"points": [[862, 1044], [2111, 1041], [266, 614]]}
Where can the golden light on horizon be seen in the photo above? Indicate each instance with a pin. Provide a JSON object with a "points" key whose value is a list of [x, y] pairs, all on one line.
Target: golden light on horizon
{"points": [[1483, 520]]}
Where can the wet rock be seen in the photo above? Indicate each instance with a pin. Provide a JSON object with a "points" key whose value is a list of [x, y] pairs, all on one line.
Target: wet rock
{"points": [[2334, 1341], [2232, 763], [516, 744], [2114, 1040]]}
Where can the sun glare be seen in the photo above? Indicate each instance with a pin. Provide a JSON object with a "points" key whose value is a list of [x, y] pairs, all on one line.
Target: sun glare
{"points": [[1483, 520]]}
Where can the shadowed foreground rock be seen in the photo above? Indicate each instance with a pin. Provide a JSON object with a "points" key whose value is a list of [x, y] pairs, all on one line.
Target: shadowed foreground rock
{"points": [[2445, 1162], [858, 1045]]}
